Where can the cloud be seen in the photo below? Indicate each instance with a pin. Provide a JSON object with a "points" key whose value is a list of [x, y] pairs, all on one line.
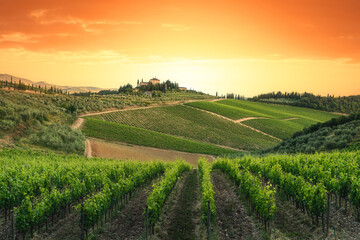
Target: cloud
{"points": [[131, 22], [237, 29], [176, 27], [76, 57], [38, 13], [19, 38], [44, 17], [349, 37]]}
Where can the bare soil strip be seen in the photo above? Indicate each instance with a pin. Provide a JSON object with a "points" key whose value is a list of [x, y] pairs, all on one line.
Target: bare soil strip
{"points": [[88, 149], [181, 216], [6, 140], [130, 222], [236, 121], [3, 142], [338, 113], [232, 218], [257, 130], [288, 119], [249, 118], [78, 123], [125, 151], [129, 108]]}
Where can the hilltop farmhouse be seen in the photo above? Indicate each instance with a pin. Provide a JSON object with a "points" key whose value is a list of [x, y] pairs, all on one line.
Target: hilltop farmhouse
{"points": [[153, 81]]}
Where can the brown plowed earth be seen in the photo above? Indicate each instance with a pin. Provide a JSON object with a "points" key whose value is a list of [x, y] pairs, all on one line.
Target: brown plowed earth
{"points": [[232, 219], [181, 214], [123, 151], [130, 222], [79, 122]]}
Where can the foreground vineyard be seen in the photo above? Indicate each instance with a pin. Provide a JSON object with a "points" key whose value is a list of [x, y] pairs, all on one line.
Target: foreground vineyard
{"points": [[37, 187], [320, 186], [38, 190]]}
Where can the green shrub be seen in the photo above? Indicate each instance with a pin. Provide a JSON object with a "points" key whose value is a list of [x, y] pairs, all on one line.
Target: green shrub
{"points": [[6, 124], [60, 137]]}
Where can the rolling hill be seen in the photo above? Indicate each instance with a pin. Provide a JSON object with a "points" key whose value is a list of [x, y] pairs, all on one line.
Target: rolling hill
{"points": [[235, 124], [340, 133], [277, 120], [190, 123], [70, 89]]}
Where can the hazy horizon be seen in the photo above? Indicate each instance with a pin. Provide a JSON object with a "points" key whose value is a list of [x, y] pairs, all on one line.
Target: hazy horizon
{"points": [[247, 47]]}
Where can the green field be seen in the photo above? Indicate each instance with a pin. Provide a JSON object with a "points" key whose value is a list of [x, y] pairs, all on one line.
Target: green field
{"points": [[226, 110], [276, 121], [236, 109], [282, 129], [193, 124], [118, 132]]}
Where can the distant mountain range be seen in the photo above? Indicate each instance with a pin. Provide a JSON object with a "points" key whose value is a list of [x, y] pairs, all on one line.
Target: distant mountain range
{"points": [[70, 89]]}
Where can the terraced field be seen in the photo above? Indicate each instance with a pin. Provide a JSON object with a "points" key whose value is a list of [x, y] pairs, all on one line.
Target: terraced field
{"points": [[276, 120], [187, 122], [143, 137]]}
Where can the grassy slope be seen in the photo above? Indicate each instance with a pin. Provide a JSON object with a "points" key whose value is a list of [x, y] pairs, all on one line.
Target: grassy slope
{"points": [[194, 124], [275, 125], [118, 132], [236, 109], [282, 129], [225, 110]]}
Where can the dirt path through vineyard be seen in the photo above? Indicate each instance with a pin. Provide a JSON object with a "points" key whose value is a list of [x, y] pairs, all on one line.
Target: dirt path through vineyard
{"points": [[130, 222], [78, 123], [181, 214], [232, 218], [129, 108]]}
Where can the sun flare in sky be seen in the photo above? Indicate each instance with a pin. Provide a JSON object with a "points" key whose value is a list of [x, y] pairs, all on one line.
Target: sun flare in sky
{"points": [[246, 47]]}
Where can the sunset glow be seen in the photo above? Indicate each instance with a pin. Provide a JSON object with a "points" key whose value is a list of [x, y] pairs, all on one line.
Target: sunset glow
{"points": [[243, 46]]}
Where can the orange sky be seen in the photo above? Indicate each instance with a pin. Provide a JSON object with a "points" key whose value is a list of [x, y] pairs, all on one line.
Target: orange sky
{"points": [[242, 46]]}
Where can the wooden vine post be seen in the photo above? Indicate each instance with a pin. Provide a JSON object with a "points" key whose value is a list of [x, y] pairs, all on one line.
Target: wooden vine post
{"points": [[12, 225], [146, 222], [327, 214], [209, 221], [82, 221], [274, 230]]}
